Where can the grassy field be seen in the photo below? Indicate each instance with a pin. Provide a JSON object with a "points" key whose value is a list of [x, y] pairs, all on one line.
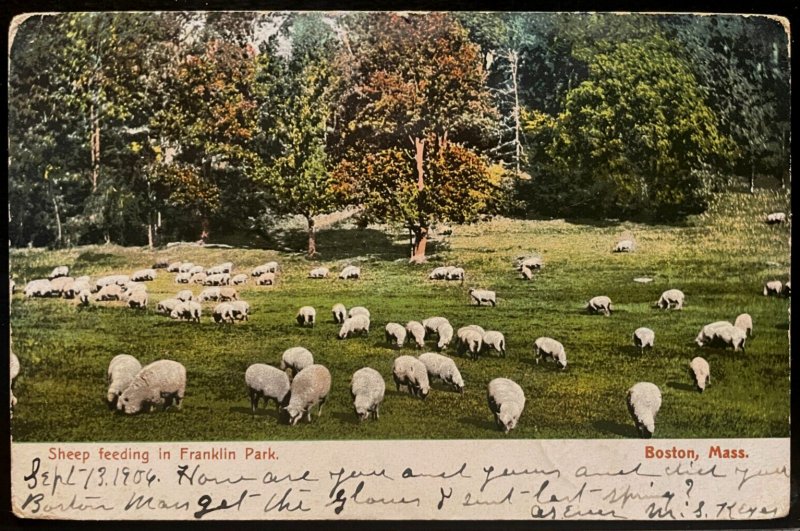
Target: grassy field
{"points": [[720, 261]]}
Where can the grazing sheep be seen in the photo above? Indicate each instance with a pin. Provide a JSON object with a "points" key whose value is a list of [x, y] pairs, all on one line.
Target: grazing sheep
{"points": [[220, 269], [60, 271], [395, 334], [198, 278], [196, 270], [159, 383], [121, 371], [469, 340], [185, 267], [266, 279], [187, 311], [339, 313], [183, 278], [239, 279], [506, 402], [41, 287], [296, 359], [223, 313], [306, 316], [185, 295], [700, 373], [353, 325], [775, 218], [228, 294], [267, 382], [112, 292], [166, 306], [417, 332], [445, 333], [456, 273], [143, 275], [174, 267], [787, 288], [132, 286], [138, 299], [410, 372], [119, 280], [644, 401], [482, 295], [319, 272], [707, 333], [218, 279], [84, 297], [624, 246], [358, 310], [745, 322], [494, 340], [367, 389], [723, 334], [600, 304], [531, 263], [672, 298], [432, 323], [643, 337], [477, 328], [547, 347], [443, 368], [773, 287], [60, 284], [269, 267], [310, 387], [527, 273], [209, 294], [160, 264], [350, 272], [439, 273], [241, 310]]}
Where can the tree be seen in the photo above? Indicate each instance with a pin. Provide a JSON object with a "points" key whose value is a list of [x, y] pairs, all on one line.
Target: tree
{"points": [[416, 99]]}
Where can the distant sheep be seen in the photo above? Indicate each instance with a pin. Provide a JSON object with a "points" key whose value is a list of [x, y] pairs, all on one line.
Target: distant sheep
{"points": [[506, 402], [350, 272], [443, 368], [417, 333], [643, 338], [166, 306], [218, 279], [41, 287], [174, 267], [358, 324], [339, 313], [185, 267], [121, 371], [187, 311], [745, 322], [239, 279], [84, 297], [395, 334], [227, 294], [223, 313], [306, 315], [310, 387], [196, 270], [266, 279], [367, 389], [209, 294], [600, 304], [624, 246], [700, 372], [482, 295], [532, 263], [60, 284], [111, 292], [159, 383], [241, 310], [439, 273], [494, 340], [456, 273], [432, 323], [672, 298], [267, 383], [138, 299], [412, 374], [773, 287], [547, 347], [644, 401], [269, 267], [296, 359], [220, 269], [183, 278], [160, 264], [469, 341], [319, 272], [198, 278], [775, 218], [185, 295], [60, 271], [358, 310], [143, 275]]}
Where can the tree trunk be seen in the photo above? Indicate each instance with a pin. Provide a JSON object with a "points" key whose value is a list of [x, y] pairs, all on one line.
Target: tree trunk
{"points": [[420, 243], [513, 57], [95, 145], [58, 221], [151, 232], [204, 232], [312, 237], [752, 176], [419, 156]]}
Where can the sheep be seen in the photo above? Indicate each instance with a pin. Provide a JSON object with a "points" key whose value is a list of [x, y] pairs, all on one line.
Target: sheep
{"points": [[531, 263], [432, 323], [220, 279], [223, 312], [174, 267], [787, 288], [138, 299], [196, 270], [121, 371], [222, 268], [269, 267], [395, 334], [707, 333], [267, 382], [469, 340], [624, 246], [439, 273], [160, 382], [296, 359], [319, 272], [353, 325], [417, 331], [775, 218], [41, 287], [143, 275], [185, 295], [228, 294], [311, 386], [84, 297], [547, 347], [367, 389], [445, 333], [132, 286], [241, 310], [644, 401], [456, 273], [527, 273], [187, 311], [672, 298], [166, 306], [339, 312], [267, 279], [119, 280], [350, 272], [160, 264], [745, 322], [60, 271], [477, 328], [600, 304], [482, 295], [643, 337], [700, 372], [495, 340], [724, 334], [197, 278], [306, 315], [209, 294], [185, 267], [443, 368], [112, 292], [183, 278], [358, 310], [59, 284], [506, 402], [411, 373], [239, 279], [773, 287], [83, 278]]}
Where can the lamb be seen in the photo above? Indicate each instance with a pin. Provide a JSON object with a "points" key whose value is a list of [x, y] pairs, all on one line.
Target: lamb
{"points": [[267, 279], [644, 401], [700, 373], [745, 322], [410, 372], [159, 383], [495, 340], [174, 267], [311, 386], [228, 294], [367, 389], [319, 272], [600, 304], [222, 268], [724, 334], [506, 402], [138, 299], [339, 312], [350, 272], [296, 359], [443, 368], [775, 218], [643, 337], [417, 331], [197, 278], [267, 382], [121, 371], [185, 267], [269, 267], [445, 333], [547, 347], [183, 278], [672, 298], [166, 306], [306, 316], [395, 334], [143, 275], [223, 313], [239, 279], [624, 246], [353, 325], [60, 271], [432, 323], [456, 273], [241, 310], [358, 310], [481, 295], [40, 287], [469, 340], [773, 287], [187, 311], [209, 294], [185, 295], [112, 292]]}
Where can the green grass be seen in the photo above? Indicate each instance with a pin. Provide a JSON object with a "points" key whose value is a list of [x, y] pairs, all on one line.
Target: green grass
{"points": [[719, 260]]}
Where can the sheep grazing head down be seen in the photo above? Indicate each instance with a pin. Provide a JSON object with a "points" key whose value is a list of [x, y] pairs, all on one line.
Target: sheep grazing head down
{"points": [[294, 414], [362, 404], [508, 418]]}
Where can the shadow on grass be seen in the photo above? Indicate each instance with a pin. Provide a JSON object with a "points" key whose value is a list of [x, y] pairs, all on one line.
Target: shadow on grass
{"points": [[479, 423], [347, 418], [106, 260], [268, 412], [681, 386], [615, 428], [782, 326]]}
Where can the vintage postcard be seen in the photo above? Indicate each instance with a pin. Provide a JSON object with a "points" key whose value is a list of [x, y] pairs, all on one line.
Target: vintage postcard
{"points": [[399, 265]]}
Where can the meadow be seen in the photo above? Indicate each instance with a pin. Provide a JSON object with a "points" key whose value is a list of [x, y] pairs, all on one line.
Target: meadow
{"points": [[720, 260]]}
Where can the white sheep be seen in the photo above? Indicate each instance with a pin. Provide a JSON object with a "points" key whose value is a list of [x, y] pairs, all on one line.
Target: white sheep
{"points": [[227, 294], [267, 382], [217, 279], [700, 373], [439, 273], [672, 298], [417, 332], [775, 218], [432, 323], [209, 294], [456, 273], [196, 270], [745, 322], [41, 287], [531, 263], [198, 278], [643, 338], [183, 278], [367, 389], [60, 271], [185, 267], [319, 272], [600, 304], [469, 340], [84, 297], [306, 316], [527, 273], [445, 333], [443, 368], [339, 313], [722, 333], [185, 295], [13, 371], [644, 401], [159, 383], [350, 272], [353, 325], [624, 246], [219, 269], [174, 267], [241, 310], [160, 264], [787, 288], [358, 310], [547, 347], [269, 267], [111, 292], [296, 359], [395, 334], [166, 306], [494, 340], [187, 311], [411, 373], [137, 299], [60, 284], [132, 286], [506, 402], [121, 371], [311, 386], [773, 287], [239, 279], [223, 313], [143, 275], [266, 279], [482, 295]]}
